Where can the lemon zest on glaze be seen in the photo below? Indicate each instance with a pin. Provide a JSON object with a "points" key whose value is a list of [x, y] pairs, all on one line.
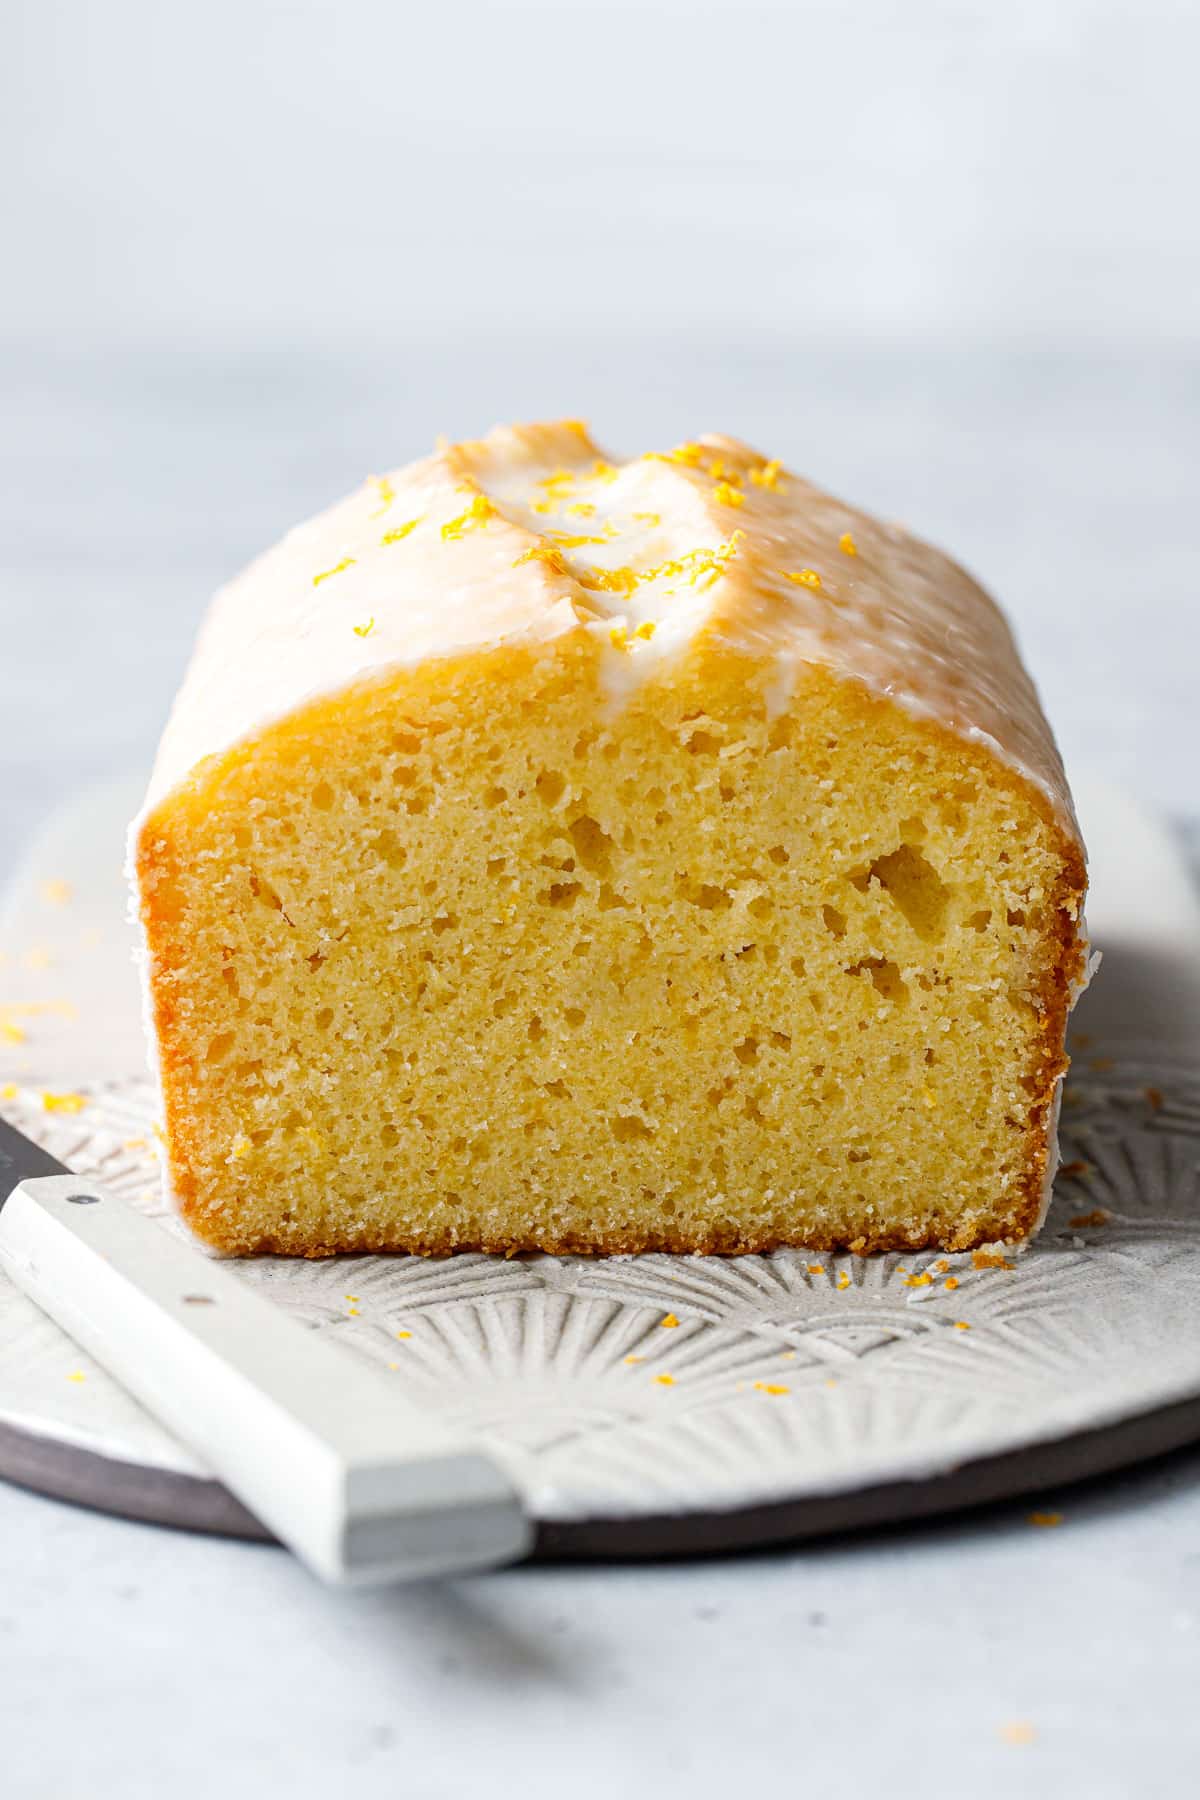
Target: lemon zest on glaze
{"points": [[543, 553], [478, 513], [384, 491], [347, 562], [690, 455], [610, 581]]}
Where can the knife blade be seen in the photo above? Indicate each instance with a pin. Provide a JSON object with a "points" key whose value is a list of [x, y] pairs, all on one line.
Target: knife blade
{"points": [[325, 1449], [22, 1160]]}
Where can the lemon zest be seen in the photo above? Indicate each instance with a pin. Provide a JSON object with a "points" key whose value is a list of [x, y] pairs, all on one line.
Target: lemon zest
{"points": [[385, 493], [478, 513], [347, 562], [545, 553]]}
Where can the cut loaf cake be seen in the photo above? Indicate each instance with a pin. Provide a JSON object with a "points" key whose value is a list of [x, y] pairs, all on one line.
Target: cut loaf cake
{"points": [[550, 852]]}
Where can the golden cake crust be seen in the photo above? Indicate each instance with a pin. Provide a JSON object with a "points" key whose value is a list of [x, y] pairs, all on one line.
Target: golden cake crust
{"points": [[177, 834]]}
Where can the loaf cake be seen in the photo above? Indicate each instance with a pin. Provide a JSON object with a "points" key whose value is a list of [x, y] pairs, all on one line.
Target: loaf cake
{"points": [[554, 852]]}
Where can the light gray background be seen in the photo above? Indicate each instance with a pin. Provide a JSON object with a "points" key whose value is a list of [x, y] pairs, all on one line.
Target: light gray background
{"points": [[943, 257]]}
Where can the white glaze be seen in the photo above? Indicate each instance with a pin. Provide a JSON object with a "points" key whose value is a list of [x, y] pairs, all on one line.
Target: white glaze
{"points": [[898, 615]]}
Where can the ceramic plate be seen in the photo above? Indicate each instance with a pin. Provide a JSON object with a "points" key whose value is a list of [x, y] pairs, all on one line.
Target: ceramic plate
{"points": [[646, 1403]]}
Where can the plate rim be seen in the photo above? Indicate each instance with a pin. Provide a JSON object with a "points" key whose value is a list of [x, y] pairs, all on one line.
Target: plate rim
{"points": [[142, 1494]]}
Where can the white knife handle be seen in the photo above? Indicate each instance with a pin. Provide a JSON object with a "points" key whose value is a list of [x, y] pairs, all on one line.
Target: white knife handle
{"points": [[321, 1447]]}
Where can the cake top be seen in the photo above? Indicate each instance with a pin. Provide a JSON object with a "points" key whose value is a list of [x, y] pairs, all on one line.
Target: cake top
{"points": [[533, 532]]}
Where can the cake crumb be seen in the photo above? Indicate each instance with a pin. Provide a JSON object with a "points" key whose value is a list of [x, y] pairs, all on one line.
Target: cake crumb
{"points": [[772, 1387], [843, 1281], [816, 1268], [1089, 1220], [56, 892], [950, 1283], [768, 476], [64, 1103], [961, 1325], [401, 531], [669, 1322], [9, 1091], [1047, 1519], [1074, 1169], [404, 1334], [665, 1380], [10, 1033], [990, 1259], [847, 545], [76, 1375], [805, 578], [918, 1281], [1154, 1097], [630, 1360]]}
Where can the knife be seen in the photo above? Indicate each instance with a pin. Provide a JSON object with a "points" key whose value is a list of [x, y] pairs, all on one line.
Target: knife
{"points": [[322, 1447]]}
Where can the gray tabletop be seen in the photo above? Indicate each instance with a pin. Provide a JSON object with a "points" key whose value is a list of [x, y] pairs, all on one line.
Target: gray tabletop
{"points": [[988, 1657], [943, 260]]}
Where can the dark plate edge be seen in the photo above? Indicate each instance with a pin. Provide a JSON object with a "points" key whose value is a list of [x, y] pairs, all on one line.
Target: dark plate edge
{"points": [[191, 1503]]}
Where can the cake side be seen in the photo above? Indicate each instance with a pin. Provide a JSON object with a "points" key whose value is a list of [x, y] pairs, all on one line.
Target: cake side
{"points": [[483, 953]]}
